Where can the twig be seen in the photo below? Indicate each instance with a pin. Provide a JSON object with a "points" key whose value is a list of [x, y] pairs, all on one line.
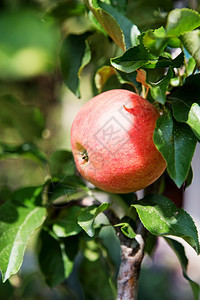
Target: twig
{"points": [[132, 252], [131, 259]]}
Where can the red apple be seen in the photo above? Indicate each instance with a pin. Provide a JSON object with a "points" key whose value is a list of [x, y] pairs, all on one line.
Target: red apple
{"points": [[112, 142]]}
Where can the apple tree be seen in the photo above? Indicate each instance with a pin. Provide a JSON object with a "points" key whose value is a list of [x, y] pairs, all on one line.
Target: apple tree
{"points": [[89, 243]]}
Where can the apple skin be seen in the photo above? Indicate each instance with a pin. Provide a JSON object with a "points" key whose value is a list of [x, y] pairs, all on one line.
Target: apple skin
{"points": [[112, 142]]}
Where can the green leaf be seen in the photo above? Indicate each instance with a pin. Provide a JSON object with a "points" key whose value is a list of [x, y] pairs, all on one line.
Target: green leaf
{"points": [[189, 178], [133, 59], [26, 150], [130, 31], [75, 55], [95, 23], [155, 40], [62, 162], [194, 119], [97, 280], [102, 76], [86, 217], [63, 10], [161, 217], [158, 90], [101, 208], [151, 243], [182, 20], [191, 42], [139, 57], [174, 42], [67, 224], [54, 263], [30, 196], [17, 223], [85, 59], [123, 32], [15, 115], [28, 49], [127, 230], [186, 102], [5, 193], [178, 61], [180, 252], [60, 190], [191, 65], [183, 112], [177, 144], [110, 242]]}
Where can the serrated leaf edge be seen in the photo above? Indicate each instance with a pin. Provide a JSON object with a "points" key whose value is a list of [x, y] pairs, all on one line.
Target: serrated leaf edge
{"points": [[169, 225]]}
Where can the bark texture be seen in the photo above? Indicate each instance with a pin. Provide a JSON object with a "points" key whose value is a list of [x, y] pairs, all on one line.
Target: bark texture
{"points": [[131, 258], [132, 253]]}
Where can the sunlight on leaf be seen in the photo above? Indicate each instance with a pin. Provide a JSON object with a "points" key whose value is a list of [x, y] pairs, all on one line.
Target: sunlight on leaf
{"points": [[177, 151], [86, 217], [191, 42], [17, 223], [161, 217], [181, 21]]}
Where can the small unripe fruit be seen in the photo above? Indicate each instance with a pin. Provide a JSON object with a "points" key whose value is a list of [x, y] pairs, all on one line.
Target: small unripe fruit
{"points": [[112, 142]]}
